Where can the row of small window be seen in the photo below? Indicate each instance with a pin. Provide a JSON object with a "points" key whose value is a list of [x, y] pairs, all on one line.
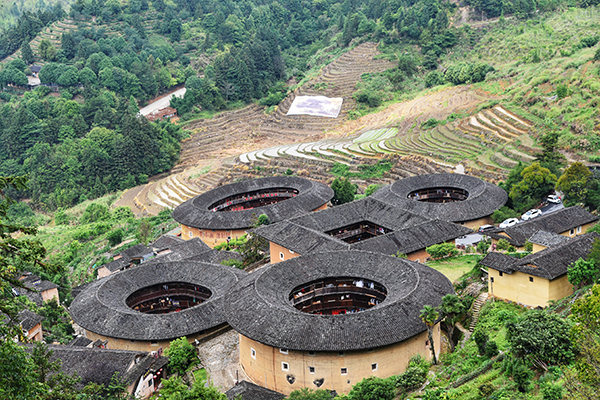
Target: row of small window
{"points": [[282, 256], [502, 274], [572, 231], [343, 371]]}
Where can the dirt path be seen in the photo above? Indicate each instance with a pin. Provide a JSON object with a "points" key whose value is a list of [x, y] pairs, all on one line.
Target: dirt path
{"points": [[220, 356], [127, 198], [163, 102]]}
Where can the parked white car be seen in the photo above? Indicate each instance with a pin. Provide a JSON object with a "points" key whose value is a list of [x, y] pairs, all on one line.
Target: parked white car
{"points": [[508, 223], [531, 214], [553, 199]]}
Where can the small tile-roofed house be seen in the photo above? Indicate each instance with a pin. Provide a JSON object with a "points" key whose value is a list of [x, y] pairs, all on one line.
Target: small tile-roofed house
{"points": [[568, 222], [37, 289], [542, 240], [30, 323], [366, 224], [540, 277], [245, 390], [141, 372]]}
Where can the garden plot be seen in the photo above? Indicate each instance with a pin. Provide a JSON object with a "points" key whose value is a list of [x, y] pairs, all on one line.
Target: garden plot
{"points": [[377, 135]]}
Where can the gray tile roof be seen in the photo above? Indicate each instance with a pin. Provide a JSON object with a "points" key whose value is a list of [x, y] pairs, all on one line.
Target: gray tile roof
{"points": [[34, 286], [80, 341], [101, 307], [411, 232], [99, 365], [136, 251], [117, 265], [258, 307], [549, 263], [250, 391], [555, 222], [29, 319], [196, 212], [165, 242], [484, 198], [547, 239]]}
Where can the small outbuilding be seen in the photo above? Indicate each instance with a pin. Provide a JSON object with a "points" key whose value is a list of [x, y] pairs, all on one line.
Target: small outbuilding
{"points": [[146, 307], [540, 277], [328, 320], [366, 224], [227, 212], [463, 199]]}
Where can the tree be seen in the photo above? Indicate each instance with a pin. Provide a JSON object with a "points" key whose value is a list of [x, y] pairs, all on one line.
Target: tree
{"points": [[46, 50], [574, 183], [550, 155], [343, 191], [17, 253], [95, 212], [582, 272], [541, 338], [583, 381], [310, 394], [536, 182], [373, 388], [182, 355], [429, 316], [452, 309], [26, 53], [373, 188], [115, 236], [441, 250], [174, 389], [144, 231], [40, 356], [481, 338], [67, 45]]}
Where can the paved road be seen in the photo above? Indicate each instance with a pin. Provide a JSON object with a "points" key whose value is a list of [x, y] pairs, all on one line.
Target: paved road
{"points": [[161, 103], [474, 238]]}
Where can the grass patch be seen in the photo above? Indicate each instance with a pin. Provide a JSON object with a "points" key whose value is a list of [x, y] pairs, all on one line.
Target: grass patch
{"points": [[455, 267], [200, 375]]}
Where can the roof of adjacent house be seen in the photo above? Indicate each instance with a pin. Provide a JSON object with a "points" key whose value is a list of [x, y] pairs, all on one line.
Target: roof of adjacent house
{"points": [[99, 365], [411, 232], [556, 222], [80, 341], [29, 319], [102, 308], [547, 239], [549, 263], [138, 250], [195, 250], [35, 68], [250, 391], [197, 213], [165, 242], [34, 286], [484, 198], [117, 265], [259, 308]]}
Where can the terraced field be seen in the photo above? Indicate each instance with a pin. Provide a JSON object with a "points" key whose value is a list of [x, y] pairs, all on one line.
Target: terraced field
{"points": [[250, 128]]}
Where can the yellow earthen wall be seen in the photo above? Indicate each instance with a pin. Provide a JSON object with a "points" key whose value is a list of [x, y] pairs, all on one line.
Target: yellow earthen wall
{"points": [[276, 252], [537, 247], [583, 230], [35, 334], [518, 288], [140, 345], [265, 369], [209, 236], [323, 207], [50, 294], [476, 223]]}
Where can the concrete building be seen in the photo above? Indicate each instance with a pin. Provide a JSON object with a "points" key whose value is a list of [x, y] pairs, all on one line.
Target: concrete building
{"points": [[540, 277], [227, 212], [144, 308], [366, 224], [462, 199], [328, 320]]}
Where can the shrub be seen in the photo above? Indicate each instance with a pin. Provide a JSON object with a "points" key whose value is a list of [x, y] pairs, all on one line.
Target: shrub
{"points": [[486, 389], [491, 349], [502, 244], [552, 391], [373, 388], [434, 78], [562, 91], [232, 262], [95, 212], [521, 375], [115, 236], [415, 374], [430, 123], [528, 246], [481, 339], [589, 41], [61, 217], [441, 250]]}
